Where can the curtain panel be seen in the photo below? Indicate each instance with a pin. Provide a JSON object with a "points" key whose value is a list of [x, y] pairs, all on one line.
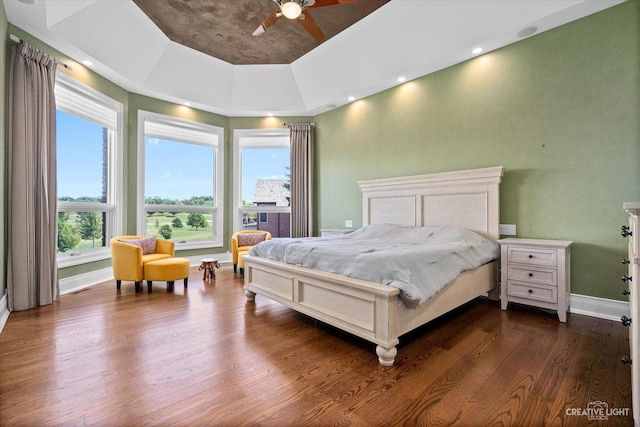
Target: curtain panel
{"points": [[301, 183], [32, 275]]}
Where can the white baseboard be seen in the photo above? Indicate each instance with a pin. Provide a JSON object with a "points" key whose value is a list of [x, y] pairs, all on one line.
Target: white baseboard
{"points": [[84, 280], [598, 307], [4, 310]]}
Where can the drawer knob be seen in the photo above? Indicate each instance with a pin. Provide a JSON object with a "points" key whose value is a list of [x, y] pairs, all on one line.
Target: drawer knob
{"points": [[625, 360], [530, 291], [530, 256], [626, 232], [626, 292], [626, 278], [625, 262], [626, 321], [530, 274]]}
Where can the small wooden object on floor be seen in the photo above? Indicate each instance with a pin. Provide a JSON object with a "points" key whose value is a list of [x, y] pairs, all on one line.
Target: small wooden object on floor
{"points": [[209, 265]]}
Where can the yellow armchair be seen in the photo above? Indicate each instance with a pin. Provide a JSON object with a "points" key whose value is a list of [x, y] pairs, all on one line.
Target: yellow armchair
{"points": [[242, 248], [128, 260]]}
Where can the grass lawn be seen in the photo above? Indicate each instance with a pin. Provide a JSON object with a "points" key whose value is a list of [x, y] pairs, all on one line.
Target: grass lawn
{"points": [[157, 220]]}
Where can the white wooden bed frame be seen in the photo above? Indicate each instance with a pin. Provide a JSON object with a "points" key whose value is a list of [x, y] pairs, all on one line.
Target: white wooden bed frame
{"points": [[468, 198]]}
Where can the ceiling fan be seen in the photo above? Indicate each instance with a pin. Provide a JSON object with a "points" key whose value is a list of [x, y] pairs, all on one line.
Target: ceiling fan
{"points": [[295, 9]]}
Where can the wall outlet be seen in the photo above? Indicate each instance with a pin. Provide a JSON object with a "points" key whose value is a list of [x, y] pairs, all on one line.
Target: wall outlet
{"points": [[348, 223], [507, 229]]}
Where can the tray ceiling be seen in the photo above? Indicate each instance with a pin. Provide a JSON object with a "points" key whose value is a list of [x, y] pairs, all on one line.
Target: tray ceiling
{"points": [[223, 29], [408, 38]]}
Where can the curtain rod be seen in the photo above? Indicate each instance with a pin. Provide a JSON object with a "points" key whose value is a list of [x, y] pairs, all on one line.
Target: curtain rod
{"points": [[303, 123], [17, 39]]}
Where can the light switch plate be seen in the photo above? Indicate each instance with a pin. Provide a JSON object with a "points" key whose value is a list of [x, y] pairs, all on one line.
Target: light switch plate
{"points": [[507, 229]]}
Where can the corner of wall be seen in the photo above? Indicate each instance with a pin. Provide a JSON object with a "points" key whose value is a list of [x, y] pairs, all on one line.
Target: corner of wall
{"points": [[4, 72]]}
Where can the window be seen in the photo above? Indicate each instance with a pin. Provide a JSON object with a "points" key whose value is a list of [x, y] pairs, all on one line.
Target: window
{"points": [[261, 189], [180, 177], [89, 153]]}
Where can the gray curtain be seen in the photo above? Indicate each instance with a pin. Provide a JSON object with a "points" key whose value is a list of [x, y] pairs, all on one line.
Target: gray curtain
{"points": [[32, 275], [301, 185]]}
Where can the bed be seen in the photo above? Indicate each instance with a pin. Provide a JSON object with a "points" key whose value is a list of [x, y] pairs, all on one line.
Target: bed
{"points": [[373, 311]]}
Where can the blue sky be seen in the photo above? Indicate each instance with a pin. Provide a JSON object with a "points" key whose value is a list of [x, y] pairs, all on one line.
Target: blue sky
{"points": [[79, 147], [173, 170]]}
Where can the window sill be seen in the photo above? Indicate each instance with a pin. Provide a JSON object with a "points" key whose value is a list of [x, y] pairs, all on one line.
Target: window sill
{"points": [[183, 246], [68, 260]]}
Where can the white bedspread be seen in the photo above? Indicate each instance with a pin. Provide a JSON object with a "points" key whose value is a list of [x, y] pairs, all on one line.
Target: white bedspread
{"points": [[417, 260]]}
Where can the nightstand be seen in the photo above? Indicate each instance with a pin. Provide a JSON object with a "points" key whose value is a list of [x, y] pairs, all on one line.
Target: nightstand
{"points": [[536, 273]]}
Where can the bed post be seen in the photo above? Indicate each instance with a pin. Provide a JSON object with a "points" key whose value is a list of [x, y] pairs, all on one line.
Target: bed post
{"points": [[386, 356]]}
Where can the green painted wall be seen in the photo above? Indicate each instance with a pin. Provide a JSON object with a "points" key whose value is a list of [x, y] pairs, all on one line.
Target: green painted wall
{"points": [[560, 111]]}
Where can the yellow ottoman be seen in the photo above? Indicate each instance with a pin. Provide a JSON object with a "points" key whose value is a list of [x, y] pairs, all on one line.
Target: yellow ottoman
{"points": [[167, 270], [241, 261]]}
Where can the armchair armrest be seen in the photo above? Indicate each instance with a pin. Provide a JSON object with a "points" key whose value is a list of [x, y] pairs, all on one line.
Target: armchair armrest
{"points": [[165, 247], [234, 248], [126, 260]]}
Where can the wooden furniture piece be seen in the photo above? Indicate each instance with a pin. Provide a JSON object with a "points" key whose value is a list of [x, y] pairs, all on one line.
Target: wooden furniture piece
{"points": [[632, 232], [208, 266], [167, 270], [372, 311], [537, 273]]}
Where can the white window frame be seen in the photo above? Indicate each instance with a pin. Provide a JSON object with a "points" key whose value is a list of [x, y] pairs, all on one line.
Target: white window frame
{"points": [[254, 138], [80, 100], [175, 130]]}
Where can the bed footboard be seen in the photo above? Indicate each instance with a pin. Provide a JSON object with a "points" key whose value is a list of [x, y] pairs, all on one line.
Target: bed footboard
{"points": [[368, 310], [365, 309]]}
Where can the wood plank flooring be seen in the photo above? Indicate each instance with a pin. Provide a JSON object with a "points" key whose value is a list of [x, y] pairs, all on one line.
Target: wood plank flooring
{"points": [[205, 356]]}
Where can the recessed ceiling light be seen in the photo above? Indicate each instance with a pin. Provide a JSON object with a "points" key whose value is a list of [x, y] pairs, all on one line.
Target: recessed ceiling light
{"points": [[270, 114], [477, 50], [526, 32], [186, 104], [87, 63], [401, 79], [351, 98]]}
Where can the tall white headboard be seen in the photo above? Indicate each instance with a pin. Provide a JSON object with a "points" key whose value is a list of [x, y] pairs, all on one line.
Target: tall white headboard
{"points": [[466, 198]]}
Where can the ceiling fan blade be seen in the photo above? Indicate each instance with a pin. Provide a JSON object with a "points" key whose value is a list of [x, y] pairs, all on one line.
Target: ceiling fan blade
{"points": [[322, 3], [271, 19], [309, 24]]}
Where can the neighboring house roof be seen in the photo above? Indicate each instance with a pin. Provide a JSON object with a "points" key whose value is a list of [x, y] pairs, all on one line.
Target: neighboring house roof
{"points": [[269, 191]]}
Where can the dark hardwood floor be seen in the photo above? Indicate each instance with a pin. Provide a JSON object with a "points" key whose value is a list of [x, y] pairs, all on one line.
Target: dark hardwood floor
{"points": [[205, 356]]}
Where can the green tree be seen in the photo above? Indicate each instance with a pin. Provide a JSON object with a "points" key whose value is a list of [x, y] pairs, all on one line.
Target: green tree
{"points": [[68, 237], [176, 223], [90, 226], [165, 231], [197, 219]]}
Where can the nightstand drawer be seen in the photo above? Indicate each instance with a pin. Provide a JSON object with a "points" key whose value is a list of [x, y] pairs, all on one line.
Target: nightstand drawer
{"points": [[533, 292], [533, 256], [544, 276]]}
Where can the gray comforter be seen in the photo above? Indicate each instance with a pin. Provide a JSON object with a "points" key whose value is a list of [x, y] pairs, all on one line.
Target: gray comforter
{"points": [[417, 260]]}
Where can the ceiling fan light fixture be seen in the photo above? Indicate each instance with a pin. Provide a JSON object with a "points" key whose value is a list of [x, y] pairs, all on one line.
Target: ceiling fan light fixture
{"points": [[291, 9]]}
